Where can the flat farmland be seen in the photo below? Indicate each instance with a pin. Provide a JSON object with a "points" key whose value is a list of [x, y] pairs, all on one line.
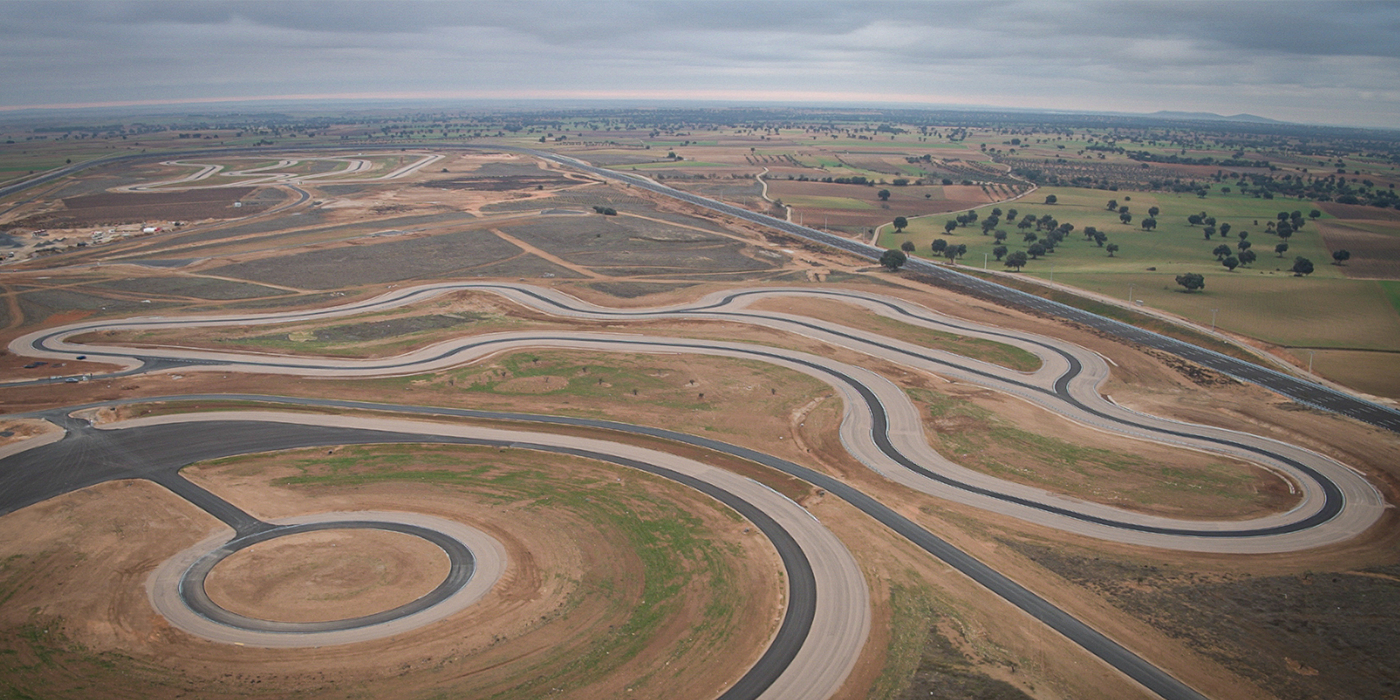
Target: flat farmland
{"points": [[860, 205], [1327, 309], [1374, 246], [123, 208], [628, 245], [391, 261]]}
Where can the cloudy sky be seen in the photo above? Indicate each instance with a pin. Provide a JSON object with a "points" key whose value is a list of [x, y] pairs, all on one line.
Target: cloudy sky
{"points": [[1318, 62]]}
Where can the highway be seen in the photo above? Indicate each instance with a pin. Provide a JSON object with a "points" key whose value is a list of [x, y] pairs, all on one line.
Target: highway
{"points": [[881, 428], [1300, 390]]}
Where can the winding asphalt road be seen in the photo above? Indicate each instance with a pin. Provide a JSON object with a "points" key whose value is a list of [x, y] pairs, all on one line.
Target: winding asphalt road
{"points": [[882, 426], [1300, 390], [815, 647]]}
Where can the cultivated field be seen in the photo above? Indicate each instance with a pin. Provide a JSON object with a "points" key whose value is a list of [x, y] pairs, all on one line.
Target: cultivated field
{"points": [[621, 584]]}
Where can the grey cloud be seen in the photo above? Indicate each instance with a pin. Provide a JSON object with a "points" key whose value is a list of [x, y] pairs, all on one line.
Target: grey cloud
{"points": [[1223, 55]]}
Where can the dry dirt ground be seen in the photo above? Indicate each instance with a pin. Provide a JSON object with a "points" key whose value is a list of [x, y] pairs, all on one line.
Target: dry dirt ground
{"points": [[935, 633], [327, 575], [591, 548]]}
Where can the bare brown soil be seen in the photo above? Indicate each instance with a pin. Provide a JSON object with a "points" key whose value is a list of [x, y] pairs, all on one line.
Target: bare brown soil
{"points": [[1358, 211], [75, 565], [121, 208], [502, 183], [16, 429], [1373, 255], [327, 575]]}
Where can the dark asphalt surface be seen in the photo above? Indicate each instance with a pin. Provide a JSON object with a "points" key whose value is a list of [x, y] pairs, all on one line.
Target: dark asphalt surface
{"points": [[801, 593], [461, 565], [1333, 501], [1302, 391], [87, 456]]}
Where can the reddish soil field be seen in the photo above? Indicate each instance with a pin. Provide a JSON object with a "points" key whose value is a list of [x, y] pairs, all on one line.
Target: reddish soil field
{"points": [[1373, 255], [1359, 211]]}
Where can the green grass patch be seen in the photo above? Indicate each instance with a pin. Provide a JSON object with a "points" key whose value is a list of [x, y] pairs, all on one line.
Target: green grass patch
{"points": [[1263, 300], [979, 439], [673, 544], [923, 663], [1391, 290], [996, 353]]}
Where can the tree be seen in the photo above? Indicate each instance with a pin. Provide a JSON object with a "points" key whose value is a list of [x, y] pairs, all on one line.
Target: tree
{"points": [[998, 252], [1221, 251], [1016, 260], [1243, 245], [907, 246], [1191, 281], [999, 235], [1314, 214], [1153, 212], [1010, 215], [953, 251], [1209, 231], [1340, 256], [949, 225], [1090, 232], [939, 245], [1035, 251], [884, 195], [1247, 257], [1284, 231], [1195, 219], [1126, 218], [1281, 249], [1051, 199], [900, 223], [1230, 262], [1112, 248], [1030, 237], [1243, 234], [1100, 237], [1301, 266], [1225, 229], [1149, 223], [1113, 205], [893, 259]]}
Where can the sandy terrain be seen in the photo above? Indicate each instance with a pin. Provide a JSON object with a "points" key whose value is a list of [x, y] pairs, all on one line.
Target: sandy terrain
{"points": [[326, 575]]}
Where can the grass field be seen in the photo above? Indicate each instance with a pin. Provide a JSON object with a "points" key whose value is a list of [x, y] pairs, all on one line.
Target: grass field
{"points": [[1265, 300]]}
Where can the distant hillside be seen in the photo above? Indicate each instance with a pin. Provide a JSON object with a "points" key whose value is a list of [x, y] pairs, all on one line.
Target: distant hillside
{"points": [[1211, 116]]}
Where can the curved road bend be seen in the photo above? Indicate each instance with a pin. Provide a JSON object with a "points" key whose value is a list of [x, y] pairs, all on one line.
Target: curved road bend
{"points": [[213, 428], [818, 642], [883, 428], [1302, 391]]}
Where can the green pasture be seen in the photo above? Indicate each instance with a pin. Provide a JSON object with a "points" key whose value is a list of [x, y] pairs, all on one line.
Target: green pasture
{"points": [[1264, 300]]}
